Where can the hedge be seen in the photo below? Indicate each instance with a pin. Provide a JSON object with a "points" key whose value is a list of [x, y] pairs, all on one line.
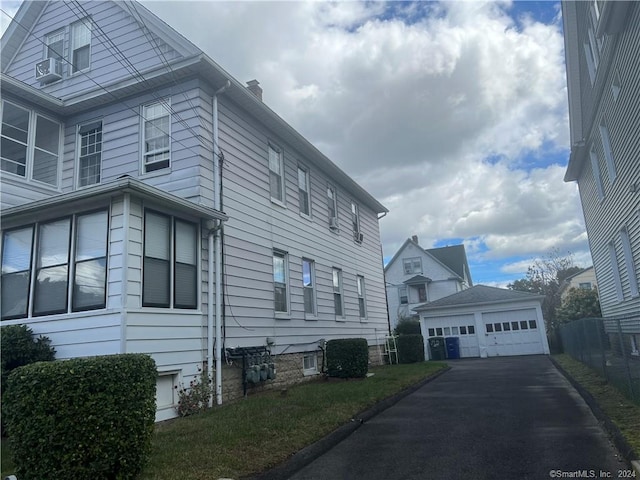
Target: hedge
{"points": [[407, 326], [410, 348], [347, 358], [19, 347], [85, 418]]}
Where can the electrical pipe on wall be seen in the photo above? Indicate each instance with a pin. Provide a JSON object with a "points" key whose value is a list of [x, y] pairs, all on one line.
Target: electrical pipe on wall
{"points": [[215, 247]]}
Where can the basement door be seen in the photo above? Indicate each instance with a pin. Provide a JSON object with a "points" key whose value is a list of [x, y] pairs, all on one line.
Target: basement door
{"points": [[513, 332]]}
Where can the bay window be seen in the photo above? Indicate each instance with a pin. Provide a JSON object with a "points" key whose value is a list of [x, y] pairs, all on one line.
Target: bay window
{"points": [[43, 252]]}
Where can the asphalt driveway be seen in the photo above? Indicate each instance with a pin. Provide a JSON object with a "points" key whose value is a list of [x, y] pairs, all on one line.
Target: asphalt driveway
{"points": [[500, 418]]}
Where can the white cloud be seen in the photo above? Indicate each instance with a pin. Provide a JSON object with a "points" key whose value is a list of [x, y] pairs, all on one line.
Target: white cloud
{"points": [[450, 119]]}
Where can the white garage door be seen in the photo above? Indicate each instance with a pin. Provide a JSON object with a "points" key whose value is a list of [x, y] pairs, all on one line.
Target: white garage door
{"points": [[461, 326], [514, 332]]}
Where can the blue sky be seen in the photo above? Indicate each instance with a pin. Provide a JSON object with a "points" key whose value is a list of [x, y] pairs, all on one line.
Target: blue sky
{"points": [[452, 114]]}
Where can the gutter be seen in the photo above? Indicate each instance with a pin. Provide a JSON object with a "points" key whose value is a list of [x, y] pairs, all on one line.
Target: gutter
{"points": [[215, 250]]}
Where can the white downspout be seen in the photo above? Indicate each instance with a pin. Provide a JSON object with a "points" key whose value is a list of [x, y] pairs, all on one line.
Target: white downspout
{"points": [[215, 245]]}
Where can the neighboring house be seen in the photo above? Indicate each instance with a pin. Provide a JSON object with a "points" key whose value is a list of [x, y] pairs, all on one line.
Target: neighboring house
{"points": [[414, 276], [585, 279], [488, 321], [122, 146], [602, 48]]}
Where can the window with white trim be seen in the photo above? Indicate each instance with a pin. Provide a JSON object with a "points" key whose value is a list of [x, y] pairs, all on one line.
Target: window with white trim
{"points": [[156, 133], [54, 45], [276, 174], [308, 286], [89, 154], [595, 170], [80, 45], [30, 144], [628, 261], [412, 265], [280, 282], [37, 266], [304, 191], [170, 273], [310, 364], [362, 303], [608, 152], [402, 293], [332, 205], [615, 271], [338, 304], [355, 221]]}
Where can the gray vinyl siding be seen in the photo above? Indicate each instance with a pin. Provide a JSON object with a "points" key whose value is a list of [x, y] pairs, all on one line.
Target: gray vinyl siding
{"points": [[257, 226], [106, 66], [605, 218]]}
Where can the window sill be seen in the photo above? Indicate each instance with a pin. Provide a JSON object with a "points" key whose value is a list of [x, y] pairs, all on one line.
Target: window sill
{"points": [[306, 217], [341, 319], [282, 316], [279, 203], [309, 373], [310, 317]]}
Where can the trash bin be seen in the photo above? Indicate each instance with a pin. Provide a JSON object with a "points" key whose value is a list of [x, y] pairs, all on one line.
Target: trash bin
{"points": [[453, 347], [437, 349]]}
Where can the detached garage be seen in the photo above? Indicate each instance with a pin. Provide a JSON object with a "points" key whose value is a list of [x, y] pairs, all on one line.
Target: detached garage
{"points": [[488, 322]]}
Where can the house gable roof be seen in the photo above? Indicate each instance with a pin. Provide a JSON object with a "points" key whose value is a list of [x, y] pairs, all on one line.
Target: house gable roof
{"points": [[478, 295], [417, 280], [193, 62], [453, 258]]}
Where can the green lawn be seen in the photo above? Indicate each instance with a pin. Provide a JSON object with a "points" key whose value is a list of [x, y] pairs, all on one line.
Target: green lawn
{"points": [[622, 412], [263, 430]]}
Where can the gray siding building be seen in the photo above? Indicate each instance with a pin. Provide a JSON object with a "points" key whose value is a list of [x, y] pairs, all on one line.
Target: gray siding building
{"points": [[152, 203]]}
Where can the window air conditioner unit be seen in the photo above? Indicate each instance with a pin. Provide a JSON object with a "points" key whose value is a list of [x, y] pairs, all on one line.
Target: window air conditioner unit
{"points": [[49, 70], [359, 237], [333, 223]]}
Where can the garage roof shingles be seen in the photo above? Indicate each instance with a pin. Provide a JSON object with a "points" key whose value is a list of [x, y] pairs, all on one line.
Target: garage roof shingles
{"points": [[479, 294]]}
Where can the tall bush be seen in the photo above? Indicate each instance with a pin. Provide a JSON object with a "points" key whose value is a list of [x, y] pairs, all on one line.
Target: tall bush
{"points": [[19, 347], [86, 418], [407, 326], [347, 357], [410, 348]]}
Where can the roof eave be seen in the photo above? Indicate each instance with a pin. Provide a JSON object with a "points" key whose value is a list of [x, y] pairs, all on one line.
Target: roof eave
{"points": [[125, 185], [479, 304]]}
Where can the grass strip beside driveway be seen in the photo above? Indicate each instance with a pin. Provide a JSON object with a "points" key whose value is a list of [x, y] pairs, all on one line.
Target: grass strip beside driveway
{"points": [[261, 431], [622, 411]]}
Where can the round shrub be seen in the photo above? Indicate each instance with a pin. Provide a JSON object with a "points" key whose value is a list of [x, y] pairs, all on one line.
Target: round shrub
{"points": [[347, 357], [85, 418], [410, 348]]}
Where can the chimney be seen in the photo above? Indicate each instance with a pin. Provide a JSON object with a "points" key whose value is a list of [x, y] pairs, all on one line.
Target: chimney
{"points": [[414, 238], [254, 87]]}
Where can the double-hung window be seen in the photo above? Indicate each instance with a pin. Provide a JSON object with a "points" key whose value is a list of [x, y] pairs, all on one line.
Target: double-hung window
{"points": [[355, 221], [361, 297], [156, 136], [30, 144], [412, 265], [44, 252], [90, 154], [595, 171], [332, 205], [337, 292], [628, 261], [304, 191], [80, 45], [55, 45], [402, 293], [276, 174], [170, 262], [615, 271], [280, 282], [608, 151], [308, 286]]}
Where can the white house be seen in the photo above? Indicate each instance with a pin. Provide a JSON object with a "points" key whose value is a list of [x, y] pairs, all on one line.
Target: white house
{"points": [[585, 279], [602, 49], [488, 321], [152, 203], [415, 275]]}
